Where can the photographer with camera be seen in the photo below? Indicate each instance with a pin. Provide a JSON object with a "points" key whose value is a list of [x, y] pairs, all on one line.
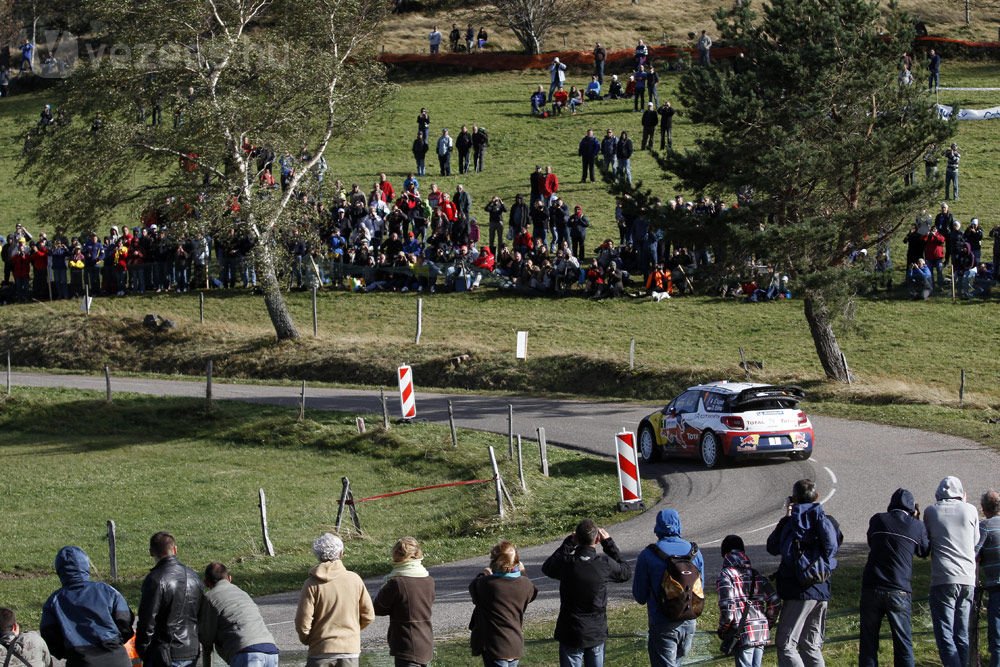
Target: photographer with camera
{"points": [[807, 541], [894, 537]]}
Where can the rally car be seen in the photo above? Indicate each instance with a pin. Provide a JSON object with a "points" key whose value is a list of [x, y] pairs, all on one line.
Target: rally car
{"points": [[724, 421]]}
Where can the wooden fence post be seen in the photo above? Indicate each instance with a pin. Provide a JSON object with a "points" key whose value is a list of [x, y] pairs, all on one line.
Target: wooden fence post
{"points": [[302, 402], [744, 364], [497, 483], [420, 320], [315, 314], [520, 465], [268, 547], [631, 354], [451, 423], [201, 307], [543, 451], [961, 389], [385, 409], [510, 431], [847, 370], [208, 386], [8, 372], [107, 383]]}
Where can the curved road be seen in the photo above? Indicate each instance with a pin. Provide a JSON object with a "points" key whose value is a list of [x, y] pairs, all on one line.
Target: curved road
{"points": [[857, 467]]}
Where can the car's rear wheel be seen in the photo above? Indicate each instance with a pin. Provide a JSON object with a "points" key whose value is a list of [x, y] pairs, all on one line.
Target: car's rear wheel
{"points": [[711, 450], [800, 456], [649, 452]]}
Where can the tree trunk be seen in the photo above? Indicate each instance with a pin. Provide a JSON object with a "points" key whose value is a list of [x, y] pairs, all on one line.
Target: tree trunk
{"points": [[830, 356], [277, 309]]}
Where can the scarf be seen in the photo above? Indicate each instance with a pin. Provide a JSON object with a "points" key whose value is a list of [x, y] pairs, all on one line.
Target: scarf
{"points": [[408, 568], [508, 575]]}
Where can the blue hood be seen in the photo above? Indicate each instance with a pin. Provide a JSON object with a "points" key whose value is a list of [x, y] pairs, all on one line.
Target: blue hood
{"points": [[902, 500], [806, 515], [668, 524], [72, 566]]}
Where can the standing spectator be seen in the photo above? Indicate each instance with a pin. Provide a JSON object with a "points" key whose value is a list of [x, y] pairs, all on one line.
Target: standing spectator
{"points": [[804, 529], [934, 71], [86, 623], [747, 603], [480, 142], [407, 598], [988, 554], [420, 149], [454, 37], [589, 149], [953, 528], [334, 607], [652, 79], [434, 38], [27, 56], [952, 158], [934, 245], [423, 123], [894, 537], [462, 201], [21, 648], [669, 639], [995, 235], [470, 38], [463, 142], [667, 113], [230, 622], [4, 82], [540, 220], [167, 631], [501, 594], [559, 222], [600, 57], [623, 153], [931, 159], [639, 97], [650, 119], [550, 185], [578, 224], [444, 146], [704, 49], [557, 76], [583, 575], [496, 208], [609, 145], [520, 215], [641, 54], [974, 237]]}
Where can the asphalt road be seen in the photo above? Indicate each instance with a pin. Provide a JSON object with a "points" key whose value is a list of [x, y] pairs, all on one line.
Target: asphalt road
{"points": [[856, 465]]}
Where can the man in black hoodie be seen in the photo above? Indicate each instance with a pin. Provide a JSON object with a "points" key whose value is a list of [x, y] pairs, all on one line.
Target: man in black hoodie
{"points": [[894, 537], [582, 626]]}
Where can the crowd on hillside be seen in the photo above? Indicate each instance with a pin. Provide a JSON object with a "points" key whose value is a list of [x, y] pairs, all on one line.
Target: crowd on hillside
{"points": [[183, 616]]}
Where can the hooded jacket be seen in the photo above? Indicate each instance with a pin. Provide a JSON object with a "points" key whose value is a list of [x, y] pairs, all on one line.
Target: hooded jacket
{"points": [[649, 568], [583, 576], [819, 535], [333, 609], [894, 537], [733, 586], [953, 528], [85, 620]]}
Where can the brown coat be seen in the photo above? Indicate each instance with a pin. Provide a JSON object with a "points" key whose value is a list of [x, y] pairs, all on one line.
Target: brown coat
{"points": [[407, 601], [498, 620]]}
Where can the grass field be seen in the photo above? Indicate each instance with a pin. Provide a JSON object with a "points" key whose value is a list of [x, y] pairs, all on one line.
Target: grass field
{"points": [[73, 462]]}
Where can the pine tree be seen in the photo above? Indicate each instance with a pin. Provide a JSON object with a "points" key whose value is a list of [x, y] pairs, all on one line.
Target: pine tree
{"points": [[811, 132]]}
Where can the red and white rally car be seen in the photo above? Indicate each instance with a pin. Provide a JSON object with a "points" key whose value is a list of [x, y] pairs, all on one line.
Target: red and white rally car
{"points": [[723, 421]]}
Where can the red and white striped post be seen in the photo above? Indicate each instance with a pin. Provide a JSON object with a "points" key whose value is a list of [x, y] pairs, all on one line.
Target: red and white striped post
{"points": [[407, 398], [628, 473]]}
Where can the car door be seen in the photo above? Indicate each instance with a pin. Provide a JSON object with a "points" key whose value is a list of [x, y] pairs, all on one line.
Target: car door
{"points": [[676, 422]]}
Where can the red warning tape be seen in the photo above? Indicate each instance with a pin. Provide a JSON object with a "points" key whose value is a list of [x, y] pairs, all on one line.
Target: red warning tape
{"points": [[420, 488]]}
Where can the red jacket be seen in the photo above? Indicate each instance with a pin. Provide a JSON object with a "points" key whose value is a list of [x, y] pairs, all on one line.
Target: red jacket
{"points": [[486, 259], [550, 185], [933, 246], [449, 209], [388, 190], [21, 266], [40, 259]]}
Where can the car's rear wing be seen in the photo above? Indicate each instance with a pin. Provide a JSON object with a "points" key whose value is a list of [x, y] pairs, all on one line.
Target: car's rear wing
{"points": [[754, 394]]}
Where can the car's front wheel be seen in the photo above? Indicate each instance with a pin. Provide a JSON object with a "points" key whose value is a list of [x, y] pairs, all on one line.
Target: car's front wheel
{"points": [[711, 450], [649, 452]]}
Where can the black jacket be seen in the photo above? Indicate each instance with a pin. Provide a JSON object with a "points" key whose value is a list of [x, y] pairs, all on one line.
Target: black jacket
{"points": [[893, 539], [650, 119], [168, 614], [583, 590], [624, 149]]}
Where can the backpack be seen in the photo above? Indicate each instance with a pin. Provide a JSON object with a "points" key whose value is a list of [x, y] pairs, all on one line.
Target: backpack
{"points": [[485, 135], [681, 595], [801, 555]]}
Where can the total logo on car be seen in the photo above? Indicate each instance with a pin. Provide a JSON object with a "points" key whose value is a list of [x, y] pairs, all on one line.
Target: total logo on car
{"points": [[724, 421]]}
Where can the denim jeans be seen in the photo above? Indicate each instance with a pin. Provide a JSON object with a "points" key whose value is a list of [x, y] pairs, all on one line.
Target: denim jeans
{"points": [[669, 642], [749, 656], [951, 605], [183, 663], [490, 661], [896, 606], [951, 179], [993, 627], [592, 656], [625, 170], [800, 633], [254, 660]]}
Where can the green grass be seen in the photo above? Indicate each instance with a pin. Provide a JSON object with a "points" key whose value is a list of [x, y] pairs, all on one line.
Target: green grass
{"points": [[626, 646], [73, 462]]}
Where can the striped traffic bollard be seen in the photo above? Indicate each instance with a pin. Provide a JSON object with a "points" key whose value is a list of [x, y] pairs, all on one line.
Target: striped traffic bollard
{"points": [[628, 473], [407, 398]]}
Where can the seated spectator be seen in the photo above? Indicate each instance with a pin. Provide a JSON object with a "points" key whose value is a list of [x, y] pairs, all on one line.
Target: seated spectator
{"points": [[559, 100], [538, 102], [920, 280], [629, 88], [659, 284], [982, 284], [575, 99], [594, 89], [615, 90]]}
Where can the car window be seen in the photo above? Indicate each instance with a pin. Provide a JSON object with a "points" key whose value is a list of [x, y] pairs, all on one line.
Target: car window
{"points": [[714, 402], [687, 402]]}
